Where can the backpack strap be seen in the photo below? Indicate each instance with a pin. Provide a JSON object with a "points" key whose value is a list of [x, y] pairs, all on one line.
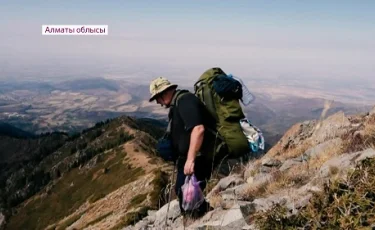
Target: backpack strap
{"points": [[202, 91], [174, 103], [177, 96], [168, 131]]}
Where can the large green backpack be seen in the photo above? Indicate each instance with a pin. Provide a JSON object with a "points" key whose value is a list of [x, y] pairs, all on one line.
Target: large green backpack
{"points": [[227, 113]]}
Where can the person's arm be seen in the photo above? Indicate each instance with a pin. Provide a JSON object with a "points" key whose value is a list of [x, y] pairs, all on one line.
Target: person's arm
{"points": [[196, 140], [189, 110]]}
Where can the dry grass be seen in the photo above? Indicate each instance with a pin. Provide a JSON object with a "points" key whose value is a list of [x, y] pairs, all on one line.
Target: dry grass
{"points": [[369, 133], [98, 219], [216, 201], [356, 139], [293, 178], [333, 170], [255, 192], [294, 152], [280, 180], [130, 218], [359, 140], [67, 198], [297, 175], [68, 222], [371, 119], [344, 204], [300, 174], [254, 165], [330, 152], [257, 163], [369, 129], [210, 185]]}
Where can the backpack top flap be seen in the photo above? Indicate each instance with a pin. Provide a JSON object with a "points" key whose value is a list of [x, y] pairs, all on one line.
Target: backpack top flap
{"points": [[202, 89], [209, 75], [227, 87]]}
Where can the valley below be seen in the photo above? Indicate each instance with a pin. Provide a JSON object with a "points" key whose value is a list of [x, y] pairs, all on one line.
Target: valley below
{"points": [[71, 106]]}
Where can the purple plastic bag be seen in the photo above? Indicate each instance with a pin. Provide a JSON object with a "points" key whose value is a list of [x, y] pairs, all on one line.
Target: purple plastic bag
{"points": [[192, 195]]}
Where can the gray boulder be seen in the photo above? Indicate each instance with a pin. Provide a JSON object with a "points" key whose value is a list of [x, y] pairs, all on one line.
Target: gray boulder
{"points": [[234, 193], [269, 162], [332, 127], [151, 216], [227, 187], [344, 162], [228, 182], [290, 163], [261, 178], [301, 133], [161, 214], [368, 153], [321, 148], [239, 192], [250, 170], [265, 169], [340, 162], [233, 218], [141, 225]]}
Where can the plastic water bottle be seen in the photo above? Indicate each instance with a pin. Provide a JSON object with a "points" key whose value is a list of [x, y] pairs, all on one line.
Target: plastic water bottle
{"points": [[247, 97]]}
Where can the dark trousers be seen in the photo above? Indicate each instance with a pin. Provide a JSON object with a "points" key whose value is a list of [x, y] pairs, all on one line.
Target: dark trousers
{"points": [[202, 171]]}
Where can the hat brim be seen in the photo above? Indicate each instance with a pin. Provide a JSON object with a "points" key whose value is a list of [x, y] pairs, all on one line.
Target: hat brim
{"points": [[161, 91]]}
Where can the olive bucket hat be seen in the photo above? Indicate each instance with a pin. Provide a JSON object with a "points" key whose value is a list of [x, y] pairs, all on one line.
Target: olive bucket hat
{"points": [[158, 86]]}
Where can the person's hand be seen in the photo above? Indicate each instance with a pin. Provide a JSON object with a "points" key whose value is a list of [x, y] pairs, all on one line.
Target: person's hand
{"points": [[189, 167]]}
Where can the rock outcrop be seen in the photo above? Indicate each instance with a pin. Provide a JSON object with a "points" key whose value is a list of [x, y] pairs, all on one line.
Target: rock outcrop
{"points": [[307, 158]]}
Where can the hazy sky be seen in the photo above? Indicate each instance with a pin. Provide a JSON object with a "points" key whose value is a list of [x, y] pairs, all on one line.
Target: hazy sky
{"points": [[180, 39]]}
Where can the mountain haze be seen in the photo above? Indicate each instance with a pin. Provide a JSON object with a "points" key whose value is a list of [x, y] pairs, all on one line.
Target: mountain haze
{"points": [[73, 105]]}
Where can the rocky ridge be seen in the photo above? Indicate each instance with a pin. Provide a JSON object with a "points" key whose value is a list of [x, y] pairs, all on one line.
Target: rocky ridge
{"points": [[308, 158], [96, 180]]}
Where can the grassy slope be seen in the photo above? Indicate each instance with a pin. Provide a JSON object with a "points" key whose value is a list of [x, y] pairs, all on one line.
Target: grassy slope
{"points": [[37, 156], [73, 190]]}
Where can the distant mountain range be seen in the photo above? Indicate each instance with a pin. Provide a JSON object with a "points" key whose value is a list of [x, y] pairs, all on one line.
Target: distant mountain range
{"points": [[71, 106]]}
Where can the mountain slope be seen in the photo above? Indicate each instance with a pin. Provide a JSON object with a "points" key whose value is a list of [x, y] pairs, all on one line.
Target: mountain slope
{"points": [[11, 131], [82, 172]]}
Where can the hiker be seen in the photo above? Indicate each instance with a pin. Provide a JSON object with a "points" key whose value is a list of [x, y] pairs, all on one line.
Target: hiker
{"points": [[207, 129], [188, 134]]}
